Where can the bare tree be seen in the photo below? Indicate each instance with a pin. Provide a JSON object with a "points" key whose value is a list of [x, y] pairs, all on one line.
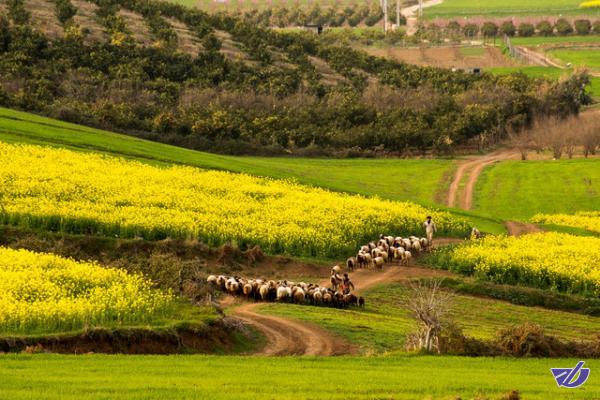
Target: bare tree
{"points": [[590, 135], [430, 306]]}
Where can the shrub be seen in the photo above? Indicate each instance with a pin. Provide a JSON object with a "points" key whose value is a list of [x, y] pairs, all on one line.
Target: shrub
{"points": [[64, 10], [489, 29], [508, 28], [563, 27], [453, 27], [545, 28], [529, 340], [583, 26], [526, 29], [470, 30]]}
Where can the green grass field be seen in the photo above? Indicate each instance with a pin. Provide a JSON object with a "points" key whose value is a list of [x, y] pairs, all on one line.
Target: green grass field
{"points": [[518, 190], [580, 57], [384, 323], [550, 40], [416, 180], [506, 8], [208, 377]]}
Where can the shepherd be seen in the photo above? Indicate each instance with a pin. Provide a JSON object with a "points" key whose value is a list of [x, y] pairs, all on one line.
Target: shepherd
{"points": [[347, 284], [430, 228]]}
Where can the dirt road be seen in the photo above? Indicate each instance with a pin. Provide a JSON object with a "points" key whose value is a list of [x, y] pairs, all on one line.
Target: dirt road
{"points": [[516, 228], [411, 15], [472, 168], [286, 336]]}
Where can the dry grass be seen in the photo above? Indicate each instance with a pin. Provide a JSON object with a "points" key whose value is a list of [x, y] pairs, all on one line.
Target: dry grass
{"points": [[186, 41], [330, 76], [231, 50], [43, 18], [137, 26], [86, 18]]}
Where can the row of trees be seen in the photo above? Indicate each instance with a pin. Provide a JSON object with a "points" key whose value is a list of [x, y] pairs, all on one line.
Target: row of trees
{"points": [[211, 103], [525, 29], [561, 136]]}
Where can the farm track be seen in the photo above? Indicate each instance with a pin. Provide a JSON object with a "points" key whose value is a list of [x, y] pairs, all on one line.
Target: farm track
{"points": [[411, 15], [516, 228], [472, 168], [286, 336]]}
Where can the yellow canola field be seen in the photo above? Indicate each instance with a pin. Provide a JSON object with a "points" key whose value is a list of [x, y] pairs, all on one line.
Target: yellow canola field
{"points": [[589, 220], [546, 260], [42, 292], [62, 190]]}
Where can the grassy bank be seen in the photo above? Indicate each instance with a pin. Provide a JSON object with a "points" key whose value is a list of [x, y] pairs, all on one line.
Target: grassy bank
{"points": [[384, 323], [207, 377], [518, 190]]}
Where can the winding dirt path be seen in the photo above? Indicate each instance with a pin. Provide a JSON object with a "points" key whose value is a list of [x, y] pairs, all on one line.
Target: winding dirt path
{"points": [[285, 336], [472, 168]]}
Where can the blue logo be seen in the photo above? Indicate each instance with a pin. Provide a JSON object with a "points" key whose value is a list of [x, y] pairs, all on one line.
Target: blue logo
{"points": [[567, 377]]}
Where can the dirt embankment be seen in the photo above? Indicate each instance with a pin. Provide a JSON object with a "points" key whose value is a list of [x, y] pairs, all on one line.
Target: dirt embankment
{"points": [[217, 336]]}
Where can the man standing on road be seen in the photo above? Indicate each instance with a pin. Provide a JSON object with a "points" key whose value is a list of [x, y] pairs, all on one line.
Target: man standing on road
{"points": [[347, 284], [430, 228]]}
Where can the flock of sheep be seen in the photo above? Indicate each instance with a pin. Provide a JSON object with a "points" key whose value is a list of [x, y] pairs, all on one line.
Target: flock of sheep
{"points": [[371, 255], [376, 254], [284, 291]]}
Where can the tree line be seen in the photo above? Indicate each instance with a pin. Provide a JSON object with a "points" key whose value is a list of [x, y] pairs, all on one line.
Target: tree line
{"points": [[210, 102]]}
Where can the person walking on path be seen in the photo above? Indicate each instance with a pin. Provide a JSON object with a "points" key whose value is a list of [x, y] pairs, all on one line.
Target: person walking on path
{"points": [[347, 284], [430, 229]]}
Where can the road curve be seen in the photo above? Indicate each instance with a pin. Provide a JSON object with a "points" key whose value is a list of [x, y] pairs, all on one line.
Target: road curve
{"points": [[285, 336]]}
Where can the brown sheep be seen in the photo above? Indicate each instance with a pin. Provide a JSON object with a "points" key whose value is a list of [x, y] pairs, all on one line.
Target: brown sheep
{"points": [[351, 263], [378, 262]]}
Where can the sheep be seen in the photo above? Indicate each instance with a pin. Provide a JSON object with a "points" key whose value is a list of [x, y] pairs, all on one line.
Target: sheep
{"points": [[299, 296], [361, 260], [327, 298], [351, 263], [283, 293], [264, 292], [361, 302], [378, 262], [417, 246], [212, 279], [398, 253], [350, 300], [317, 297], [247, 289], [384, 255], [369, 260], [407, 257], [221, 280]]}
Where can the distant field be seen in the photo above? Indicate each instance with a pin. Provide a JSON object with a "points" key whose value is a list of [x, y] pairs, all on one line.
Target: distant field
{"points": [[519, 190], [208, 377], [385, 322], [543, 40], [586, 57], [501, 8]]}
